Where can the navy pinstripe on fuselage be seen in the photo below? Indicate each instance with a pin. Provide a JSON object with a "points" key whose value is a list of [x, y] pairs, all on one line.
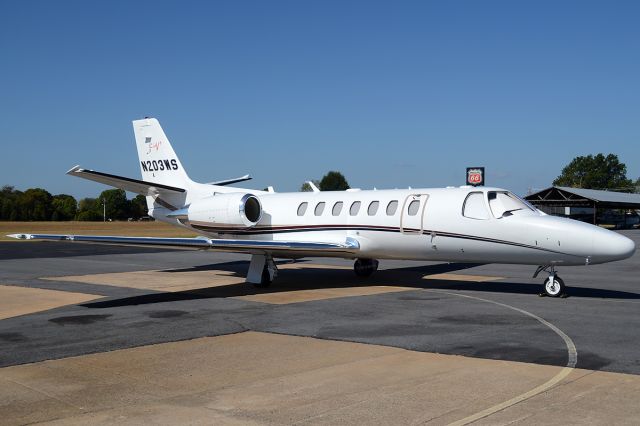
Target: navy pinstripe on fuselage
{"points": [[266, 230]]}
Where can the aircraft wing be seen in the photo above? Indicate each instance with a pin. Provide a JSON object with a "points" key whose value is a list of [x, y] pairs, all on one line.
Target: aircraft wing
{"points": [[284, 248], [128, 184]]}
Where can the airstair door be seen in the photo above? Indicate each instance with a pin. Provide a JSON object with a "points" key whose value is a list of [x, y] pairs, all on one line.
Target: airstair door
{"points": [[413, 212]]}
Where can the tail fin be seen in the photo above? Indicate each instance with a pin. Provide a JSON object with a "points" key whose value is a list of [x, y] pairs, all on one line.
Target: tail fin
{"points": [[158, 162]]}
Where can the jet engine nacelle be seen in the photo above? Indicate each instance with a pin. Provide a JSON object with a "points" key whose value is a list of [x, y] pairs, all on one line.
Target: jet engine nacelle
{"points": [[227, 210]]}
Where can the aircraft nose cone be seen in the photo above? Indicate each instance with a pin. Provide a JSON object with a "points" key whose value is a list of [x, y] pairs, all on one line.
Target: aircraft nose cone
{"points": [[614, 246], [628, 247]]}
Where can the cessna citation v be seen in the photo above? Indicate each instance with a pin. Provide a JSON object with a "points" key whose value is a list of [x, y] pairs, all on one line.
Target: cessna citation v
{"points": [[465, 224]]}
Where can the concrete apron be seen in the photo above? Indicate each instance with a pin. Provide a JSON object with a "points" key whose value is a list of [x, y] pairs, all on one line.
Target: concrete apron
{"points": [[257, 378]]}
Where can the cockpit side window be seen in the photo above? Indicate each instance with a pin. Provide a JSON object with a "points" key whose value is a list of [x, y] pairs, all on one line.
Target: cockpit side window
{"points": [[503, 204], [474, 206]]}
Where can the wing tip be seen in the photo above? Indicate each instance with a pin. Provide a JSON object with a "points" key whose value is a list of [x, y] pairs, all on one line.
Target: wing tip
{"points": [[20, 236], [74, 169]]}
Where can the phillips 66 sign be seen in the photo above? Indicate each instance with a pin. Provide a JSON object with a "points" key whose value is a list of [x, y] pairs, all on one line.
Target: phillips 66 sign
{"points": [[475, 176]]}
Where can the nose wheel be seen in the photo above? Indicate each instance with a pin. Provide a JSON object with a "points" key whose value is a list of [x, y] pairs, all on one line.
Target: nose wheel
{"points": [[554, 285]]}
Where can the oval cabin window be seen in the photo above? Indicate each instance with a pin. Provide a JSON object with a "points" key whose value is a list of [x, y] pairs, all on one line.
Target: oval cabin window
{"points": [[392, 207], [302, 208], [414, 206], [355, 208], [373, 208]]}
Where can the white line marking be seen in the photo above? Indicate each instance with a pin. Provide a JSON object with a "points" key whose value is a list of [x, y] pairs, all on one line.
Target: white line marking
{"points": [[571, 363]]}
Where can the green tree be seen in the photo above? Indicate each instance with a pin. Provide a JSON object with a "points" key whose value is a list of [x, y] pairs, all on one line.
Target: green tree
{"points": [[139, 207], [9, 203], [35, 204], [333, 181], [64, 206], [117, 204], [88, 209], [595, 172]]}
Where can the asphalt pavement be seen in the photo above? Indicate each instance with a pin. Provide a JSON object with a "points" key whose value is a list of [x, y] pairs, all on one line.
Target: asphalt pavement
{"points": [[494, 319]]}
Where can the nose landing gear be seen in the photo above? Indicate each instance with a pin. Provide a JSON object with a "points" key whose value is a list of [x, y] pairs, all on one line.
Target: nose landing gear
{"points": [[553, 285]]}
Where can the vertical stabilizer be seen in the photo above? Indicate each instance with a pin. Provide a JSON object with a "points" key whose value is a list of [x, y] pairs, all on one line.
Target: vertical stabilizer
{"points": [[158, 161]]}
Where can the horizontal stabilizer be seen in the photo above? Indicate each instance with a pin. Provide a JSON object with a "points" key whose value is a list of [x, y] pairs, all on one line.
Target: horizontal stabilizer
{"points": [[128, 184], [238, 246], [231, 181]]}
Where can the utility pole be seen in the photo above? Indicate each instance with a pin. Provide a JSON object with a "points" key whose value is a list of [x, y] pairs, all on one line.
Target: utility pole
{"points": [[104, 210]]}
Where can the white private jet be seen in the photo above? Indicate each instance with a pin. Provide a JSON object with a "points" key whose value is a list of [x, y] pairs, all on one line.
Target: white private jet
{"points": [[462, 224]]}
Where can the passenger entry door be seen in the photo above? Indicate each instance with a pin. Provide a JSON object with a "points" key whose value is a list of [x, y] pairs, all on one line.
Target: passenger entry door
{"points": [[413, 211]]}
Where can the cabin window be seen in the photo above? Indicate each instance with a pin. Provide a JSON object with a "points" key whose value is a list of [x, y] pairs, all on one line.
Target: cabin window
{"points": [[302, 208], [373, 208], [474, 206], [392, 207], [337, 208], [413, 208], [319, 208], [503, 204], [355, 208]]}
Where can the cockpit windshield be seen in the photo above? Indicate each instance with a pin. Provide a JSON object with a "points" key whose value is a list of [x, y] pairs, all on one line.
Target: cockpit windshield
{"points": [[503, 204]]}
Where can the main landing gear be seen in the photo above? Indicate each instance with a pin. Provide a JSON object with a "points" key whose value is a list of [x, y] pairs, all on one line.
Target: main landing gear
{"points": [[553, 285], [262, 270], [365, 267]]}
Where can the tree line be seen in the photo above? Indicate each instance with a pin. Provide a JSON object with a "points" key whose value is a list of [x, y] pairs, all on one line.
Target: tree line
{"points": [[37, 204]]}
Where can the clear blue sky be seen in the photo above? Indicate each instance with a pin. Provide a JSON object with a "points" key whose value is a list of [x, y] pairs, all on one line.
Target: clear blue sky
{"points": [[393, 94]]}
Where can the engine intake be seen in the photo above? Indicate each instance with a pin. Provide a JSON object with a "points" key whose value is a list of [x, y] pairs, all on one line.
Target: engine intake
{"points": [[250, 208], [235, 210]]}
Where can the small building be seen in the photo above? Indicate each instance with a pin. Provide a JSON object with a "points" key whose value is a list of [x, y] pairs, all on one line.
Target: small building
{"points": [[589, 205]]}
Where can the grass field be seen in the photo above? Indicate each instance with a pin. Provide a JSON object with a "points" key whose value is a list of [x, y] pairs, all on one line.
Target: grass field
{"points": [[141, 229]]}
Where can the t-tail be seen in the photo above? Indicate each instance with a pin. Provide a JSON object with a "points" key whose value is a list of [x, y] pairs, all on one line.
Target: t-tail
{"points": [[158, 161], [164, 181]]}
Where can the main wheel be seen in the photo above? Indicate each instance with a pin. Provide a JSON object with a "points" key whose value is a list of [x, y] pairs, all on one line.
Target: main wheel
{"points": [[365, 267], [265, 279], [554, 286]]}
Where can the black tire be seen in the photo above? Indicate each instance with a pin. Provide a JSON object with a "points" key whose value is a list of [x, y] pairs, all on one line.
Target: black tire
{"points": [[365, 267], [555, 288], [265, 280]]}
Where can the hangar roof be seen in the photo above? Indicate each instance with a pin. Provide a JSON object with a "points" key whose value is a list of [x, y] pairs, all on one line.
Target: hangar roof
{"points": [[565, 196]]}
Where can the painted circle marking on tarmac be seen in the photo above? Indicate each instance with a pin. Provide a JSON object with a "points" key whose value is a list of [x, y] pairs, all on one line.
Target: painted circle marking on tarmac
{"points": [[571, 363]]}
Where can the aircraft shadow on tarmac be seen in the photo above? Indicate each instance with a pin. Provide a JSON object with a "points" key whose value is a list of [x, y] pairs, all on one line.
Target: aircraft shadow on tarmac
{"points": [[310, 278]]}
